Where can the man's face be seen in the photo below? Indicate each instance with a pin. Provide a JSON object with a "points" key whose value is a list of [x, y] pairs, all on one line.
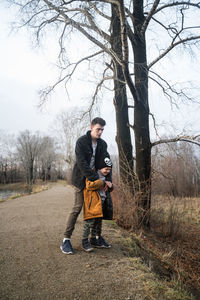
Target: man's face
{"points": [[96, 131], [105, 171]]}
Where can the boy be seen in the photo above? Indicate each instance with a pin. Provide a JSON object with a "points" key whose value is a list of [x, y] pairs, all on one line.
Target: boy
{"points": [[96, 194]]}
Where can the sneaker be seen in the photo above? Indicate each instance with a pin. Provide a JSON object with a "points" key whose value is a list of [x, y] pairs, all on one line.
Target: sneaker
{"points": [[101, 241], [86, 245], [66, 247], [96, 243]]}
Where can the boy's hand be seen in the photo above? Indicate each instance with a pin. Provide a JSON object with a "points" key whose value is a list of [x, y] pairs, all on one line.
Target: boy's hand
{"points": [[108, 184]]}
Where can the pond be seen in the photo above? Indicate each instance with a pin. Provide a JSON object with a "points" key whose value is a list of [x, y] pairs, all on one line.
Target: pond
{"points": [[4, 194]]}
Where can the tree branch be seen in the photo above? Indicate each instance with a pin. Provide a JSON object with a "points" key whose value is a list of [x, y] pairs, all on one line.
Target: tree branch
{"points": [[124, 40], [154, 124], [167, 87], [44, 93], [172, 46], [98, 11], [177, 3], [188, 139], [149, 16], [84, 32]]}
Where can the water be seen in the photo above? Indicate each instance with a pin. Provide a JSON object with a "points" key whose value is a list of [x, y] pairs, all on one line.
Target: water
{"points": [[4, 194]]}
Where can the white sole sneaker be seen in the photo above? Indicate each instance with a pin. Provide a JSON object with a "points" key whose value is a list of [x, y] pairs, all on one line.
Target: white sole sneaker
{"points": [[70, 252], [88, 250]]}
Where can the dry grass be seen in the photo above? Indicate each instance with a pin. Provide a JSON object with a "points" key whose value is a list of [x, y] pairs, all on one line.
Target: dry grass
{"points": [[187, 208], [13, 186], [174, 234], [175, 225]]}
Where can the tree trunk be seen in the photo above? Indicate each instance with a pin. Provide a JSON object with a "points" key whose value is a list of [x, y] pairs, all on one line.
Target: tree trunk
{"points": [[141, 117], [49, 173], [30, 170], [123, 136]]}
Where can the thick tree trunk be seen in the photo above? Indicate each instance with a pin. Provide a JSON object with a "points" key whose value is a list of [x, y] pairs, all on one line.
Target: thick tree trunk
{"points": [[123, 137], [141, 117]]}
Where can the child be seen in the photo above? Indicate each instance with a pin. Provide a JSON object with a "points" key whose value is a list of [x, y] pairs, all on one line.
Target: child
{"points": [[96, 194]]}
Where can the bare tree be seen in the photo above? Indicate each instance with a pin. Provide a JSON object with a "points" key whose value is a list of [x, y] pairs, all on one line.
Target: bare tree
{"points": [[9, 166], [109, 25], [28, 149], [67, 128], [46, 157]]}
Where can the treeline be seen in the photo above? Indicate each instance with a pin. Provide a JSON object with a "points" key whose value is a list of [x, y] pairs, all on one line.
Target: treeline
{"points": [[29, 157], [176, 169]]}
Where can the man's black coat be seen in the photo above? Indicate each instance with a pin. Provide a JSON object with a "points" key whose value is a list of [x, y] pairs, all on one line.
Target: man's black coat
{"points": [[84, 151]]}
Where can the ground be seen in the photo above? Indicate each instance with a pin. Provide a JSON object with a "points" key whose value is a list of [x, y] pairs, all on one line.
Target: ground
{"points": [[33, 266]]}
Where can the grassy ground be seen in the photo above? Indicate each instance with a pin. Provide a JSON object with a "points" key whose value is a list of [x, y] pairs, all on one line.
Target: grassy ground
{"points": [[174, 237], [154, 284]]}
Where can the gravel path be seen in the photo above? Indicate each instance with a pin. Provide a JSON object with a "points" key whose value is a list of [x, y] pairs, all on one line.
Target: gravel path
{"points": [[33, 266]]}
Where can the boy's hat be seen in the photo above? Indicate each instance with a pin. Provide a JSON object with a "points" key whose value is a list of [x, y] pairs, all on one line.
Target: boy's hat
{"points": [[105, 161]]}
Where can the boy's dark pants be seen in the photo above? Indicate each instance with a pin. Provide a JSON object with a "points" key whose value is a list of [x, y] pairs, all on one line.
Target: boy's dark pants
{"points": [[92, 226], [78, 204]]}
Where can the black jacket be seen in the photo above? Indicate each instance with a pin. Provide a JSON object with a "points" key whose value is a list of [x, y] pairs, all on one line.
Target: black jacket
{"points": [[107, 207], [84, 151]]}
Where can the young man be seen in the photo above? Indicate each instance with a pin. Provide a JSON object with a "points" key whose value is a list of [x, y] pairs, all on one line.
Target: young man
{"points": [[89, 149]]}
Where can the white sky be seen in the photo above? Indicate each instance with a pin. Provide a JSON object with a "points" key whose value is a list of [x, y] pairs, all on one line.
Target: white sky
{"points": [[24, 70]]}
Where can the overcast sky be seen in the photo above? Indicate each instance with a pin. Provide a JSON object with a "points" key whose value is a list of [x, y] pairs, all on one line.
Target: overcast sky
{"points": [[25, 69]]}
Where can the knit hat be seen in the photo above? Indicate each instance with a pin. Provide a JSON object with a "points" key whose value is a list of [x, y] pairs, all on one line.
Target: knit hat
{"points": [[105, 161]]}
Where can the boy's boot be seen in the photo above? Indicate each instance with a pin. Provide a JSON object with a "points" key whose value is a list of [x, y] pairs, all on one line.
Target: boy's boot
{"points": [[104, 244], [96, 243], [86, 245]]}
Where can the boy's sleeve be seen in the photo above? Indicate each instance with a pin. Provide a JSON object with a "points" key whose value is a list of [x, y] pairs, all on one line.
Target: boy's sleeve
{"points": [[94, 185], [109, 176]]}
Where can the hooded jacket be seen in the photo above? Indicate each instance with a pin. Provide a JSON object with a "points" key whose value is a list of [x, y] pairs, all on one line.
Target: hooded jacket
{"points": [[92, 200], [84, 151]]}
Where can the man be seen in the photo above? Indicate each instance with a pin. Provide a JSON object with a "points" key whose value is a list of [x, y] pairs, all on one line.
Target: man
{"points": [[89, 149]]}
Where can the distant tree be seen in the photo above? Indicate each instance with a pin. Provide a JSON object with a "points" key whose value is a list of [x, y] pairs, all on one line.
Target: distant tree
{"points": [[118, 29], [67, 128], [9, 166], [28, 150], [47, 157]]}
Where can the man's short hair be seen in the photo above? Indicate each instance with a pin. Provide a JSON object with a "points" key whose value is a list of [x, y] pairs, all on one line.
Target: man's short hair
{"points": [[100, 121]]}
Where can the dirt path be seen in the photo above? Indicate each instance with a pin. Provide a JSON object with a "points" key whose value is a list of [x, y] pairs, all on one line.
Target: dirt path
{"points": [[33, 267]]}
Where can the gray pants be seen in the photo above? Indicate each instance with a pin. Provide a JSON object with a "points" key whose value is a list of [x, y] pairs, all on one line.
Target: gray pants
{"points": [[92, 226], [78, 204]]}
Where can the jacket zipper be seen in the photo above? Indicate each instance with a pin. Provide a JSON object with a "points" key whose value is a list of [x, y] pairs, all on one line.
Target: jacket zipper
{"points": [[90, 202], [98, 196]]}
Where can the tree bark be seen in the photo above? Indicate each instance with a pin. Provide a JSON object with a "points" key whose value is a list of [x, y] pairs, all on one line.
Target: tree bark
{"points": [[123, 136], [141, 116]]}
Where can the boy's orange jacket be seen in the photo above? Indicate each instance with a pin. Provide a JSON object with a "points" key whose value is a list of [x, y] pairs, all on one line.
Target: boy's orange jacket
{"points": [[92, 199]]}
